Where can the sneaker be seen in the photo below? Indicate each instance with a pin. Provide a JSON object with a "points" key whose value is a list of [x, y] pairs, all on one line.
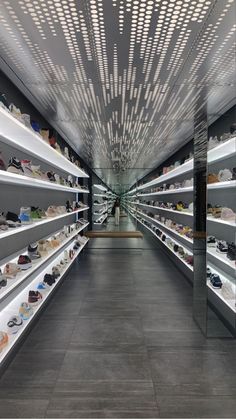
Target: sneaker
{"points": [[215, 281], [24, 262], [66, 256], [3, 222], [33, 252], [36, 172], [51, 211], [14, 324], [25, 215], [227, 214], [3, 340], [35, 214], [224, 175], [222, 247], [51, 176], [45, 134], [2, 163], [208, 273], [26, 165], [34, 298], [3, 280], [11, 270], [212, 178], [231, 253], [213, 142], [26, 120], [14, 166], [35, 126], [25, 311], [41, 286], [49, 279], [13, 219], [55, 272], [211, 241]]}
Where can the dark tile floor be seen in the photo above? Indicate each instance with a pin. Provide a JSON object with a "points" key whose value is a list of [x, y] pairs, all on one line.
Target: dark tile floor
{"points": [[118, 341]]}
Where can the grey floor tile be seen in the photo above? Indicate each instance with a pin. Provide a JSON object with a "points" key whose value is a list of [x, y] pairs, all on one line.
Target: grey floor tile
{"points": [[107, 331], [93, 308], [104, 366], [15, 408], [52, 333]]}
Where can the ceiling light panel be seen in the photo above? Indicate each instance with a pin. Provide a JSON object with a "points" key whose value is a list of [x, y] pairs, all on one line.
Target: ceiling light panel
{"points": [[121, 78]]}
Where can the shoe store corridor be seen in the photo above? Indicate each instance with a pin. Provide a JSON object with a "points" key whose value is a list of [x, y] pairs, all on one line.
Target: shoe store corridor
{"points": [[118, 340]]}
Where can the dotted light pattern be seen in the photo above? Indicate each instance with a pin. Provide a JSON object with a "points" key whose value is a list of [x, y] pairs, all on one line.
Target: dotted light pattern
{"points": [[122, 78]]}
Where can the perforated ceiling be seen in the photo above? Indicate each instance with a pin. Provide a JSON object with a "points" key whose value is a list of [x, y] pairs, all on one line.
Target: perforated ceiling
{"points": [[121, 78]]}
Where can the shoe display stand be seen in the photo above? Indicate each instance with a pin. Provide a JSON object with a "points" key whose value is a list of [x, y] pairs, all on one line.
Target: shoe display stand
{"points": [[12, 308], [221, 193], [19, 190]]}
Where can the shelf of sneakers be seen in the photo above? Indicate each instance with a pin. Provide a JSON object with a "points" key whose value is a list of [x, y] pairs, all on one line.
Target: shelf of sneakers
{"points": [[227, 281], [16, 134], [228, 291], [12, 309], [221, 152], [222, 257], [101, 213], [188, 213], [38, 223], [154, 221], [99, 205], [164, 243], [219, 185], [100, 194], [23, 275], [15, 179]]}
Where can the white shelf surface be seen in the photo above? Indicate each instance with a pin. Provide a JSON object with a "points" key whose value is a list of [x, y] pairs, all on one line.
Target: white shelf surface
{"points": [[101, 195], [222, 185], [184, 168], [21, 276], [14, 179], [17, 230], [222, 258], [100, 205], [170, 191], [102, 219], [221, 152], [16, 134], [190, 214], [229, 296], [100, 187], [175, 241], [101, 213], [219, 221], [13, 308]]}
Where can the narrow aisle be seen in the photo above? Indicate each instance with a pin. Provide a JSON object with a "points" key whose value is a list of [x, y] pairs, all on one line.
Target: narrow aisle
{"points": [[118, 341]]}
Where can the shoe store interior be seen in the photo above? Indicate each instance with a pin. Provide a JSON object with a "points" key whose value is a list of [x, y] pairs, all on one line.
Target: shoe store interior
{"points": [[117, 209]]}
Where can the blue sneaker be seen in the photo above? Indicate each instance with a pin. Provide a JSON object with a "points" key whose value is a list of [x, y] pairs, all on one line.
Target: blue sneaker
{"points": [[41, 286], [24, 218], [216, 281]]}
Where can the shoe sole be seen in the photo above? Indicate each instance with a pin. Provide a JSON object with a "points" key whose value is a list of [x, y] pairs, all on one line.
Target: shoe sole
{"points": [[25, 266], [15, 171]]}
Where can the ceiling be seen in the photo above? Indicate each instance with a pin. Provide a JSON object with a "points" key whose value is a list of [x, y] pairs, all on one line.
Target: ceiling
{"points": [[121, 80]]}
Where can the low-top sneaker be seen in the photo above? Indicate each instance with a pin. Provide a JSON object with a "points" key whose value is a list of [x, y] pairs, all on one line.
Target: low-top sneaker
{"points": [[14, 166], [25, 311], [49, 279], [33, 252], [12, 219], [25, 215], [212, 178], [231, 253], [208, 273], [224, 175], [215, 281], [211, 241], [227, 214], [34, 298], [55, 272], [222, 247], [3, 340], [14, 324], [41, 286], [26, 165], [11, 269], [24, 262]]}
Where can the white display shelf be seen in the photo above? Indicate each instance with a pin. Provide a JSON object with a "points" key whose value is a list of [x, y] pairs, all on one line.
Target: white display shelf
{"points": [[101, 213], [21, 180], [164, 243], [222, 151], [222, 185], [219, 221], [100, 187], [228, 298], [184, 168], [222, 258], [132, 191], [100, 205], [13, 308], [101, 195], [170, 191], [23, 275], [190, 214], [102, 218], [16, 134], [184, 238], [35, 224]]}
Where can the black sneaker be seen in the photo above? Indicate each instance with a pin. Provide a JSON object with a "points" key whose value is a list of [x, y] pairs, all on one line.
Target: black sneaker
{"points": [[208, 272], [14, 166], [49, 279], [211, 241], [216, 281], [231, 254], [222, 247], [12, 219]]}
